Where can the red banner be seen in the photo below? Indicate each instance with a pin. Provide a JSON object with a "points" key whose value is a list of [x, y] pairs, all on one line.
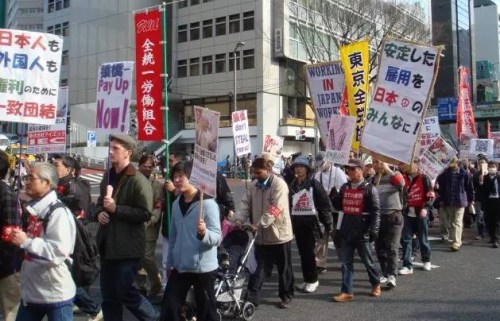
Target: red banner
{"points": [[149, 67], [465, 114]]}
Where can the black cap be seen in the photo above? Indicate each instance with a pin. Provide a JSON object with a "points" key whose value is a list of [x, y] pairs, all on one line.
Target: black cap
{"points": [[354, 162]]}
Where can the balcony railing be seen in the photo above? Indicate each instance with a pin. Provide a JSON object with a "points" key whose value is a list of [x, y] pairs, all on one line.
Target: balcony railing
{"points": [[299, 122]]}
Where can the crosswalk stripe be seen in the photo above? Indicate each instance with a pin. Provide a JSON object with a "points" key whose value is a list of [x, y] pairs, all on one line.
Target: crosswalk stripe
{"points": [[92, 178]]}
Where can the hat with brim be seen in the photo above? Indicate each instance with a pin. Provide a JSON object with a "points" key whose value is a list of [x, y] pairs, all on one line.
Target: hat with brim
{"points": [[354, 162], [125, 140], [301, 161]]}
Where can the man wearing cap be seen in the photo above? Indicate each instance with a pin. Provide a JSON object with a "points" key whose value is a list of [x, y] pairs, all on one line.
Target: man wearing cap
{"points": [[357, 227], [121, 235]]}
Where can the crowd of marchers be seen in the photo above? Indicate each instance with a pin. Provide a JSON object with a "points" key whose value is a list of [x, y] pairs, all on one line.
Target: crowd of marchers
{"points": [[359, 206]]}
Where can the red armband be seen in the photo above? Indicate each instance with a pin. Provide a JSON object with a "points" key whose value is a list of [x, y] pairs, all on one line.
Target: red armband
{"points": [[274, 210]]}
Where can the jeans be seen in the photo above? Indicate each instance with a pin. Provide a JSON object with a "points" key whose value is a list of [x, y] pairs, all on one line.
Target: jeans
{"points": [[85, 302], [347, 248], [481, 229], [387, 243], [420, 227], [117, 277], [36, 313]]}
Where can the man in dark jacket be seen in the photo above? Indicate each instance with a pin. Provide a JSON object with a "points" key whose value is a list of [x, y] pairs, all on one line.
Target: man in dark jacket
{"points": [[125, 204], [491, 202], [10, 255], [455, 192], [358, 226]]}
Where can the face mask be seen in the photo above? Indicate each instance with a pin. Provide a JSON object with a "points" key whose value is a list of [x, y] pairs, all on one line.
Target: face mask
{"points": [[492, 171]]}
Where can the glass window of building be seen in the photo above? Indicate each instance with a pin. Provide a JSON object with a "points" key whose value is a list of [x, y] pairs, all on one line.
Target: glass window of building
{"points": [[223, 108], [51, 6], [220, 26], [58, 5], [207, 1], [207, 28], [234, 23], [182, 68], [182, 33], [65, 58], [194, 31], [58, 29], [194, 66], [65, 29], [195, 2], [50, 29], [231, 61], [248, 20], [66, 4], [183, 4], [207, 65], [248, 59], [250, 104], [220, 63]]}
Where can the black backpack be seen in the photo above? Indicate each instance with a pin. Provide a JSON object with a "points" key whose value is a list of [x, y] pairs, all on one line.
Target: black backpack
{"points": [[84, 268]]}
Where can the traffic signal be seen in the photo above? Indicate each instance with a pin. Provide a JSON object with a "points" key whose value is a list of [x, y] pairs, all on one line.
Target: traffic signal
{"points": [[302, 134], [68, 125]]}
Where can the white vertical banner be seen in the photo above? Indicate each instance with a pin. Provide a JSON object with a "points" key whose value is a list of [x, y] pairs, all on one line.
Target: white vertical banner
{"points": [[91, 138], [241, 133], [430, 131], [204, 173], [340, 136]]}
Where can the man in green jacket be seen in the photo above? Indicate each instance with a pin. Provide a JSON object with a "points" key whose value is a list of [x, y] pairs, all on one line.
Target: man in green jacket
{"points": [[124, 205]]}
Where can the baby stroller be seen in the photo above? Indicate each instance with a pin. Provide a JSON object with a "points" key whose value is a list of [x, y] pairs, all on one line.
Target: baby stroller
{"points": [[236, 262]]}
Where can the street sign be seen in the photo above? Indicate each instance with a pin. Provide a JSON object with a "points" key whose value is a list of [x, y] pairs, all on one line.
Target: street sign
{"points": [[91, 138], [447, 108]]}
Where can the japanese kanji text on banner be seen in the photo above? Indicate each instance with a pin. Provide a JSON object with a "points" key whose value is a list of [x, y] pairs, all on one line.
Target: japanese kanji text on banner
{"points": [[29, 67], [340, 139], [405, 77], [149, 66], [326, 85], [50, 138], [356, 62], [204, 172], [465, 114], [430, 131], [114, 86], [241, 133]]}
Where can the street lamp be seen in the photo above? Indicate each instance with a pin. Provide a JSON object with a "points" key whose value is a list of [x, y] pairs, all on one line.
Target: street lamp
{"points": [[238, 45]]}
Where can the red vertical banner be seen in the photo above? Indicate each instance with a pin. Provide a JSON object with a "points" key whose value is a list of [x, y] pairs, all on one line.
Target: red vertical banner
{"points": [[465, 114], [488, 129], [149, 67]]}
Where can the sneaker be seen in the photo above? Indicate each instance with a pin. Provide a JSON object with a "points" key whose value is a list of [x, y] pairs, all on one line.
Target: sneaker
{"points": [[311, 287], [97, 317], [343, 297], [455, 248], [383, 280], [301, 286], [405, 271], [76, 310], [376, 291], [479, 237], [495, 245], [320, 270], [391, 281], [285, 304], [427, 266]]}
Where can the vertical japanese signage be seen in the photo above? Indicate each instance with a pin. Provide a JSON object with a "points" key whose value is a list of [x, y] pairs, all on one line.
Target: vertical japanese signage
{"points": [[430, 131], [241, 133], [326, 85], [29, 76], [114, 86], [149, 66], [405, 77], [50, 138], [356, 62], [204, 171], [465, 115]]}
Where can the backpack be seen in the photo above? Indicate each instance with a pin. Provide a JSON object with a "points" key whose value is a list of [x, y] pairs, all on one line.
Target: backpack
{"points": [[84, 268]]}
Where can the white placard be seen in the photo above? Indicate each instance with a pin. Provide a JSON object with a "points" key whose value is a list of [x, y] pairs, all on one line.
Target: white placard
{"points": [[241, 133], [482, 146], [340, 136], [430, 131], [435, 159], [91, 138]]}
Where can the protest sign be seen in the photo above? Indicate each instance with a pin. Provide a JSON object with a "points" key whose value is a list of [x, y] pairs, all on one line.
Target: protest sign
{"points": [[273, 145], [481, 146], [356, 63], [91, 138], [464, 146], [326, 85], [496, 146], [241, 133], [436, 157], [204, 173], [465, 113], [114, 86], [430, 131], [50, 138], [340, 139], [400, 99], [29, 69], [149, 68]]}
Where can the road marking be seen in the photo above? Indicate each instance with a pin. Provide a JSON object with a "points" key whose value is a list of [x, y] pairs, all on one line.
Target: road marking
{"points": [[498, 278]]}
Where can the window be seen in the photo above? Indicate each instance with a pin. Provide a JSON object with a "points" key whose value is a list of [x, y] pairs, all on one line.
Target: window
{"points": [[207, 65], [66, 4], [65, 29], [64, 82], [248, 59], [65, 58], [183, 4], [51, 6], [195, 2], [220, 63], [58, 5], [50, 29], [181, 68], [234, 23], [207, 1], [58, 29], [248, 23], [207, 28], [194, 66], [182, 33], [220, 26], [231, 61], [194, 32]]}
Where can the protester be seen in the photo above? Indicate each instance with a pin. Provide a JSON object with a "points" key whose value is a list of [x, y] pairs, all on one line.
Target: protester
{"points": [[491, 202], [359, 226], [192, 255], [47, 287], [10, 255], [121, 233], [265, 206], [482, 169], [455, 192]]}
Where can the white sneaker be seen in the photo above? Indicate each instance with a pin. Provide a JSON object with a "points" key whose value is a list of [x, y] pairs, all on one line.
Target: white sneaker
{"points": [[427, 266], [383, 279], [405, 271], [311, 287], [98, 317], [301, 286], [391, 281]]}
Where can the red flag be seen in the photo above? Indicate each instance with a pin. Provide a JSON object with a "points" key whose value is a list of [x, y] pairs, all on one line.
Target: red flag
{"points": [[343, 103], [488, 129], [465, 115]]}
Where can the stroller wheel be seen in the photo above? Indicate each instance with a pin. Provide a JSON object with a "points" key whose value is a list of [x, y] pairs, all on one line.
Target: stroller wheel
{"points": [[248, 311], [224, 308]]}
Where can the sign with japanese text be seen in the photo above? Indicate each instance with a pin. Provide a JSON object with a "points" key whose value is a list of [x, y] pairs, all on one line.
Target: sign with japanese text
{"points": [[495, 136], [241, 133], [356, 62], [400, 98], [91, 138], [430, 131], [149, 67], [464, 145], [465, 114], [30, 64], [326, 85], [481, 146], [114, 86], [436, 158], [204, 172], [340, 139], [273, 145], [45, 138]]}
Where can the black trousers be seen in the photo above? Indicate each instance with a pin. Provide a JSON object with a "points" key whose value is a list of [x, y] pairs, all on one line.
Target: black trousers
{"points": [[306, 244], [387, 243], [492, 218], [176, 291], [279, 254]]}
